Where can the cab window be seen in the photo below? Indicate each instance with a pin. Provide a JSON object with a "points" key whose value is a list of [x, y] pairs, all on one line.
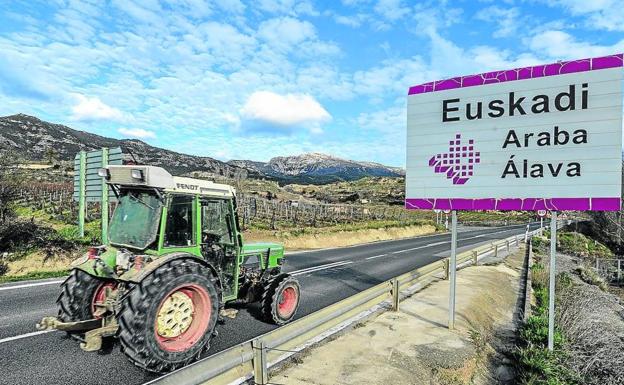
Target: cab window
{"points": [[180, 222], [216, 220]]}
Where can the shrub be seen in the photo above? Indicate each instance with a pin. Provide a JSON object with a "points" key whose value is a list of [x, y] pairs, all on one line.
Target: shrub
{"points": [[590, 276]]}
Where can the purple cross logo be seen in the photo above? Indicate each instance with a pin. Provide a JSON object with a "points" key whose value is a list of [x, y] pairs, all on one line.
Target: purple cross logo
{"points": [[458, 162]]}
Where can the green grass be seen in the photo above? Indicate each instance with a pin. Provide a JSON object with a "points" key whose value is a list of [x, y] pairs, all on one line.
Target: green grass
{"points": [[536, 364], [34, 275], [572, 243]]}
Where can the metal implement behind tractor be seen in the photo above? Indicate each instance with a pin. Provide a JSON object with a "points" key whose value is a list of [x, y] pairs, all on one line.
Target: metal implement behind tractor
{"points": [[174, 258]]}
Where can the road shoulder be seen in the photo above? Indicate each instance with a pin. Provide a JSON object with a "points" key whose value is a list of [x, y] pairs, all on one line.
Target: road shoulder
{"points": [[413, 346]]}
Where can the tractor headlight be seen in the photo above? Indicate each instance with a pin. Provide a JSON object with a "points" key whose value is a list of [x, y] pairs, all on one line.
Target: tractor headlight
{"points": [[137, 174], [103, 172]]}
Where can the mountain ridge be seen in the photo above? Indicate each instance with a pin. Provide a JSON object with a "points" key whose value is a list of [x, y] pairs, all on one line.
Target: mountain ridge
{"points": [[38, 140]]}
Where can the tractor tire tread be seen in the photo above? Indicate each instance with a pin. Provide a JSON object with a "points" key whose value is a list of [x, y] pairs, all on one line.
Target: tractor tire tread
{"points": [[270, 297], [132, 315]]}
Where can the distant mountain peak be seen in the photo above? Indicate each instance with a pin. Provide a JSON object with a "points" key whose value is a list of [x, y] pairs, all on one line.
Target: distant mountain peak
{"points": [[315, 167]]}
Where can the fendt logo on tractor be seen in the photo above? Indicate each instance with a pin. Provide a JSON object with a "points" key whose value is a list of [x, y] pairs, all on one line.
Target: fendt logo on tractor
{"points": [[175, 258]]}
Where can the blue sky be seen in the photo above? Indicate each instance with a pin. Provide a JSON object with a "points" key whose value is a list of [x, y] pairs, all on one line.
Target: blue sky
{"points": [[252, 80]]}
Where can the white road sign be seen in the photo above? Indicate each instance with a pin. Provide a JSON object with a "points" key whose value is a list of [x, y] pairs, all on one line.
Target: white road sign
{"points": [[547, 137]]}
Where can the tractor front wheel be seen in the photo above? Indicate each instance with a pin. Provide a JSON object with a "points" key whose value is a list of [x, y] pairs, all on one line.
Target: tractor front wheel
{"points": [[280, 299], [168, 319]]}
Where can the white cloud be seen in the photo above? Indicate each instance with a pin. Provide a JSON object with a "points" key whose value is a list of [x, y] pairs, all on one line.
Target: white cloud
{"points": [[285, 110], [354, 21], [94, 109], [598, 14], [286, 32], [392, 9], [507, 19], [559, 45], [291, 7], [136, 133]]}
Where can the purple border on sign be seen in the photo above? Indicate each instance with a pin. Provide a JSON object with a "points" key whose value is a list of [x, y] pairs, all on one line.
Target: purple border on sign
{"points": [[560, 68], [520, 204], [525, 204]]}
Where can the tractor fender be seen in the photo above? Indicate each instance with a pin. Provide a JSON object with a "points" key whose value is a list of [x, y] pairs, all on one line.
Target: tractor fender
{"points": [[136, 276]]}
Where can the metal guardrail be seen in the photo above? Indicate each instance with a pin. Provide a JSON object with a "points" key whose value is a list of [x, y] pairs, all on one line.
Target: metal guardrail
{"points": [[254, 358]]}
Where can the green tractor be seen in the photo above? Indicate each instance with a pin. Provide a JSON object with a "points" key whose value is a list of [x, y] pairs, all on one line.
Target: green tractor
{"points": [[174, 259]]}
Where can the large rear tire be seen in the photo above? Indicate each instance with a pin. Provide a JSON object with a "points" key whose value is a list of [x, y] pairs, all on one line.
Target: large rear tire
{"points": [[79, 292], [167, 320], [280, 299]]}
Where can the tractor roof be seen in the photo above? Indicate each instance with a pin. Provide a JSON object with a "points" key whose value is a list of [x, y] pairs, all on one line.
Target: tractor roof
{"points": [[157, 177]]}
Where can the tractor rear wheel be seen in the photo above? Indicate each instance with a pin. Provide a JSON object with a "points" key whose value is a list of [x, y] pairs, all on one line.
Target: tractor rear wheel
{"points": [[167, 320], [280, 299], [79, 293]]}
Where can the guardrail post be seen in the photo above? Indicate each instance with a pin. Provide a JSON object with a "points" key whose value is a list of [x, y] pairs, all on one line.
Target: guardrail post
{"points": [[507, 243], [261, 375], [446, 268], [495, 251], [475, 257], [395, 294]]}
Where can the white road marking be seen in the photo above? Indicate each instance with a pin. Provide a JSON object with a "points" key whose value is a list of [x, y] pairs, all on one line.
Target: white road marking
{"points": [[420, 247], [24, 336], [377, 256], [322, 267], [32, 285]]}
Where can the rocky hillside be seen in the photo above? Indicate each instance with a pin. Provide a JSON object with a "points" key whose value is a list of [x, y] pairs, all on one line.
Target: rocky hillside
{"points": [[317, 168], [35, 140]]}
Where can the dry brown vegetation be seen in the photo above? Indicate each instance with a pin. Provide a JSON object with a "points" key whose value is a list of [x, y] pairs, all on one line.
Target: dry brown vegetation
{"points": [[594, 330], [335, 238]]}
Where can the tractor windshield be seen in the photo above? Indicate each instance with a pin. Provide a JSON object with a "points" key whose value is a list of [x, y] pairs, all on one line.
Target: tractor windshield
{"points": [[135, 220]]}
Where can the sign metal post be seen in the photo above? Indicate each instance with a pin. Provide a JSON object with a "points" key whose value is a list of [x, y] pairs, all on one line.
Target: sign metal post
{"points": [[551, 280], [104, 201], [453, 270], [82, 192]]}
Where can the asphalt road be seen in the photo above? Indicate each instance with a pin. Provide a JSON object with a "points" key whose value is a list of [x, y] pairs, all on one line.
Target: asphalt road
{"points": [[326, 276]]}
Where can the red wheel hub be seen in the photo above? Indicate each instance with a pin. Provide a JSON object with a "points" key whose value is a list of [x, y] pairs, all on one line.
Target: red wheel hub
{"points": [[287, 302], [99, 296], [182, 318]]}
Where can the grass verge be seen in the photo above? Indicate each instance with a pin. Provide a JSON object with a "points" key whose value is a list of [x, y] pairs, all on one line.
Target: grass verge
{"points": [[536, 364], [34, 275]]}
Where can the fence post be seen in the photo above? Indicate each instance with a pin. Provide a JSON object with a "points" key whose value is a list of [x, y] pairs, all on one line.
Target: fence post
{"points": [[446, 268], [395, 294], [507, 243], [495, 250], [475, 256], [261, 376]]}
